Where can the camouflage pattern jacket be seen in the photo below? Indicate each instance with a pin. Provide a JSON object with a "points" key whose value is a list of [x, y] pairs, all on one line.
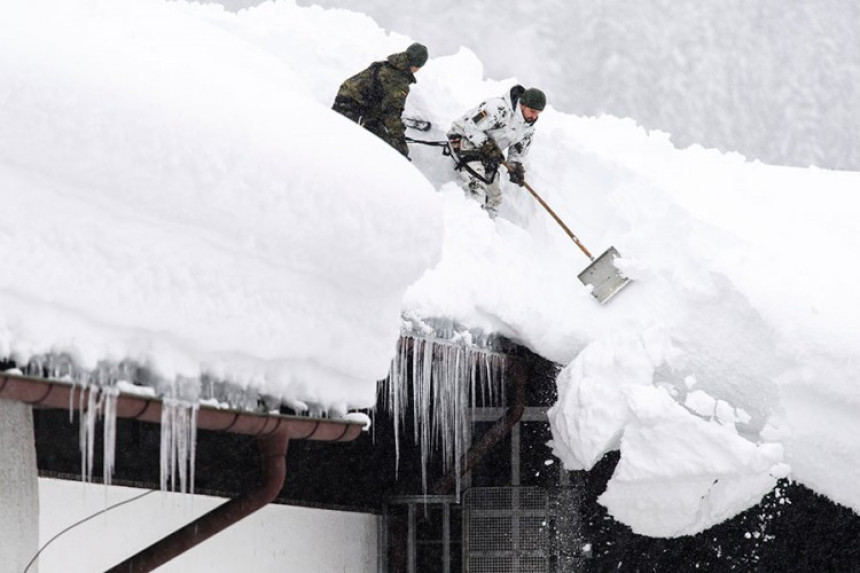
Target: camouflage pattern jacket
{"points": [[375, 98], [500, 119]]}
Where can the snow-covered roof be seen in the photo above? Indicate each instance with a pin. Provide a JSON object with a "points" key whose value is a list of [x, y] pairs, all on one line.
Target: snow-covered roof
{"points": [[177, 193]]}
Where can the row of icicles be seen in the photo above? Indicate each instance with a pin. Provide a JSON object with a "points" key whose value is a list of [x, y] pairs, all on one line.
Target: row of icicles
{"points": [[447, 379], [96, 395]]}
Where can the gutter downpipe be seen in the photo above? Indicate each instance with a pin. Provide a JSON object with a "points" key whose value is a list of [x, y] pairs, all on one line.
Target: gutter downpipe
{"points": [[273, 450], [492, 436], [273, 434]]}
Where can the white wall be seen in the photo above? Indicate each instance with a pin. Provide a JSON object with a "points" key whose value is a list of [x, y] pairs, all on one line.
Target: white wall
{"points": [[277, 538], [19, 503]]}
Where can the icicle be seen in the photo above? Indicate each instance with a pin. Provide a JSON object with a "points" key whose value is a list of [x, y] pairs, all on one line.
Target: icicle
{"points": [[109, 433], [459, 415], [87, 429], [394, 381], [192, 452], [178, 445], [423, 404], [166, 451], [72, 402]]}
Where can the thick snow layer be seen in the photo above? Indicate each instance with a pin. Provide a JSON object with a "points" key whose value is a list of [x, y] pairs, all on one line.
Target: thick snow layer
{"points": [[176, 191], [175, 195]]}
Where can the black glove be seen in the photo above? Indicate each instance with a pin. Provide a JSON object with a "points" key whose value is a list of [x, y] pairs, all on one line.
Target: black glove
{"points": [[491, 152], [517, 173]]}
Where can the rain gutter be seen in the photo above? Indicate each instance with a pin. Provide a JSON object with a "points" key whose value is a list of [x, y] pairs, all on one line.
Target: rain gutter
{"points": [[273, 433]]}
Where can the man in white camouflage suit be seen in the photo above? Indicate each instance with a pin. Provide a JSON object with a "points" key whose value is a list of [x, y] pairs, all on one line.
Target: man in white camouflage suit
{"points": [[478, 139]]}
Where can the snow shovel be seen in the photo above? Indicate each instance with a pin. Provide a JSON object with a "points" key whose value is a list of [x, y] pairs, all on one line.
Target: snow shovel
{"points": [[603, 276]]}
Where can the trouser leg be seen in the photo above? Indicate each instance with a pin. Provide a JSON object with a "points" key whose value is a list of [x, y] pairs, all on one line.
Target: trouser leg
{"points": [[472, 186], [494, 197], [489, 195]]}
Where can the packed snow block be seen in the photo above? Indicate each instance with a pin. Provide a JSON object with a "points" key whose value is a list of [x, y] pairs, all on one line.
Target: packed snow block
{"points": [[591, 413], [680, 474], [684, 466]]}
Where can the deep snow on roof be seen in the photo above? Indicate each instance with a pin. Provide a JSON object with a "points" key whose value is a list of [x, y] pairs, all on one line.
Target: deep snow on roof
{"points": [[177, 192]]}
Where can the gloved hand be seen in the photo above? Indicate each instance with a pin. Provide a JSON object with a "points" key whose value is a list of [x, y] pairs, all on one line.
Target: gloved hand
{"points": [[517, 173], [491, 151]]}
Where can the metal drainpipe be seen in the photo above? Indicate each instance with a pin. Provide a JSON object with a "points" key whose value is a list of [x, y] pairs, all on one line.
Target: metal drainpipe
{"points": [[273, 450], [499, 430], [273, 434]]}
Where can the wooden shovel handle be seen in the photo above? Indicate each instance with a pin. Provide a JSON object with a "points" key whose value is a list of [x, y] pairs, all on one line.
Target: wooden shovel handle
{"points": [[554, 216]]}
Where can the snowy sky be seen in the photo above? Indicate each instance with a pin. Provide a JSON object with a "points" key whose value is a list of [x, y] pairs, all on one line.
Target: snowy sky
{"points": [[177, 191]]}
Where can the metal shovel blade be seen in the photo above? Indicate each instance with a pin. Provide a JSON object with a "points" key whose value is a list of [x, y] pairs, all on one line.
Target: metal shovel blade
{"points": [[603, 276]]}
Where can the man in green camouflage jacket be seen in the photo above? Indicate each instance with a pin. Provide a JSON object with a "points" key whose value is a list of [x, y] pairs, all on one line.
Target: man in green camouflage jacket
{"points": [[375, 98]]}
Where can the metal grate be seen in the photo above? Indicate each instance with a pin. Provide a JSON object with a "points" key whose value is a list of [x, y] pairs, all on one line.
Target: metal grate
{"points": [[506, 564], [520, 530]]}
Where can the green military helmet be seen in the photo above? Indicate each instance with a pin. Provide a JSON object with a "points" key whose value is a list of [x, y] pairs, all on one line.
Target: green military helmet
{"points": [[417, 54], [533, 98]]}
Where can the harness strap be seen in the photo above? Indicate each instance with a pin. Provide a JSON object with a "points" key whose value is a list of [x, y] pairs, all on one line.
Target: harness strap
{"points": [[463, 160], [433, 143], [451, 149]]}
